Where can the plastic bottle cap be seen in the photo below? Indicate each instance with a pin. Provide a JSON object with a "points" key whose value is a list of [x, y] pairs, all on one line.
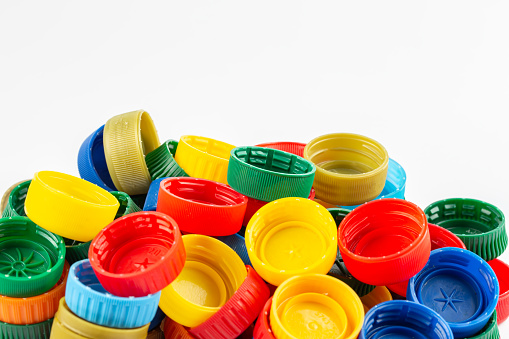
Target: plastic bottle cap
{"points": [[31, 258], [138, 254], [7, 193], [350, 169], [33, 310], [501, 270], [239, 312], [88, 299], [395, 184], [68, 206], [237, 243], [404, 319], [296, 148], [490, 331], [204, 158], [68, 325], [262, 328], [459, 286], [40, 330], [92, 161], [155, 333], [174, 330], [196, 295], [291, 236], [126, 204], [379, 295], [15, 204], [315, 306], [268, 174], [202, 206], [161, 164], [153, 195], [480, 225], [157, 320], [384, 241], [440, 238]]}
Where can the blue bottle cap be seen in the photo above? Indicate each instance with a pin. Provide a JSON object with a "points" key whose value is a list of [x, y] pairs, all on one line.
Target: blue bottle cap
{"points": [[92, 161], [402, 319], [237, 243], [153, 195], [157, 320], [394, 184], [458, 285]]}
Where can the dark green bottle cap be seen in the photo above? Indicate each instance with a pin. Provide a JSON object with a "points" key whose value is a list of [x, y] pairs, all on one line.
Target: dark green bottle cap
{"points": [[32, 331], [161, 162]]}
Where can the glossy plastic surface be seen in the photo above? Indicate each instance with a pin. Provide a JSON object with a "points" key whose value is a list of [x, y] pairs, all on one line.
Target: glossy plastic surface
{"points": [[40, 330], [7, 193], [126, 204], [174, 330], [395, 183], [262, 328], [212, 274], [350, 168], [384, 241], [33, 310], [296, 148], [138, 254], [315, 306], [440, 238], [88, 299], [153, 195], [202, 206], [459, 286], [66, 325], [490, 331], [267, 174], [204, 158], [127, 139], [92, 161], [237, 243], [379, 295], [68, 206], [238, 313], [16, 200], [402, 319], [160, 162], [501, 270], [291, 236], [480, 225], [31, 258]]}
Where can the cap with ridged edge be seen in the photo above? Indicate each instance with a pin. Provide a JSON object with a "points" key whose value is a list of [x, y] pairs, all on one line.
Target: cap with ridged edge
{"points": [[237, 243], [87, 298], [395, 184], [501, 270], [75, 250], [238, 313], [202, 206], [296, 148], [16, 201], [153, 195], [7, 193], [127, 139], [33, 310], [268, 174], [262, 328], [139, 199], [480, 225], [31, 258], [126, 204], [174, 330], [68, 325], [204, 158], [40, 330], [92, 161], [69, 206], [384, 241], [490, 331], [138, 254], [351, 168], [160, 162]]}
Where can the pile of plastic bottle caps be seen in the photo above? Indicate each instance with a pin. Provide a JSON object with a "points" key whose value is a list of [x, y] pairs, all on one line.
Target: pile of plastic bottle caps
{"points": [[202, 239]]}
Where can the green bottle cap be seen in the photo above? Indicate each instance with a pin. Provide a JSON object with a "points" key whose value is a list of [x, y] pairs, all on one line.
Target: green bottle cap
{"points": [[161, 162]]}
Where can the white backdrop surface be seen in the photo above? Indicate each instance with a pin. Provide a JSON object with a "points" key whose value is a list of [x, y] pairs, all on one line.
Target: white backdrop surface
{"points": [[429, 80]]}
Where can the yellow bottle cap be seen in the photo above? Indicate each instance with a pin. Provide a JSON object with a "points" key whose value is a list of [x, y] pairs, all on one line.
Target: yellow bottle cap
{"points": [[315, 306], [67, 325], [291, 236], [127, 139], [351, 169], [204, 158], [211, 275], [379, 295], [69, 206]]}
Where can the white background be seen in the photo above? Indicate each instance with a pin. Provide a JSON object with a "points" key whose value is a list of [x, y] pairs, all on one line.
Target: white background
{"points": [[429, 80]]}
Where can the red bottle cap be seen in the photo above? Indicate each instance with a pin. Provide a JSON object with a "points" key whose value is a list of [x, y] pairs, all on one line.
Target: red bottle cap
{"points": [[174, 330], [296, 148], [202, 206], [138, 254], [262, 327], [502, 272], [238, 313], [385, 241]]}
